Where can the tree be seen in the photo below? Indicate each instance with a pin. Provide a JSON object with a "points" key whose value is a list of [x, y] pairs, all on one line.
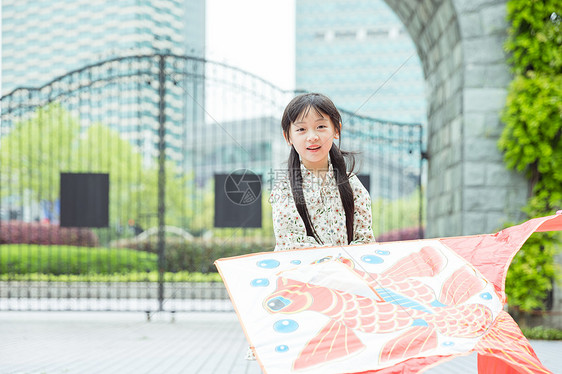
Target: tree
{"points": [[34, 152], [52, 140]]}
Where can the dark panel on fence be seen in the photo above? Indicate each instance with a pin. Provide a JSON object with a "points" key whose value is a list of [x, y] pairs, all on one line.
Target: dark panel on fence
{"points": [[238, 200], [84, 200], [365, 179]]}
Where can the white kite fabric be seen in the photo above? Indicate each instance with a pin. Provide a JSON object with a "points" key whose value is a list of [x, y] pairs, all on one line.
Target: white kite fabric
{"points": [[383, 307]]}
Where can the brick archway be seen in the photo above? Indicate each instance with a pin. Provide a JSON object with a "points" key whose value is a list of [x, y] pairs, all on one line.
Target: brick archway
{"points": [[460, 44]]}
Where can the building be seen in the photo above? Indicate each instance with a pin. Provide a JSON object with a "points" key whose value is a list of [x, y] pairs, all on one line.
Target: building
{"points": [[255, 144], [46, 39], [359, 54]]}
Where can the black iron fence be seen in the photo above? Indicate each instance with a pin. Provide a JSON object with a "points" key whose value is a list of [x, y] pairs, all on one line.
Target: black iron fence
{"points": [[114, 183]]}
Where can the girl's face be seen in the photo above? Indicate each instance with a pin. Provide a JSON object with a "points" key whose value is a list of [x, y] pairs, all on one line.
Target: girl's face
{"points": [[312, 136]]}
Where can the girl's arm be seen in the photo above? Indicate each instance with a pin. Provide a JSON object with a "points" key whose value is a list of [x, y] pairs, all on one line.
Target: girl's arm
{"points": [[290, 232], [362, 221]]}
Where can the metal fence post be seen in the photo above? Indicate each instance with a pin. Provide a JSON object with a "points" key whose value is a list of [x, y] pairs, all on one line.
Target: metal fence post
{"points": [[161, 177]]}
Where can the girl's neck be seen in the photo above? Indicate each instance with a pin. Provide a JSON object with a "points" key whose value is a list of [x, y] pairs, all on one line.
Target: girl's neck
{"points": [[318, 170]]}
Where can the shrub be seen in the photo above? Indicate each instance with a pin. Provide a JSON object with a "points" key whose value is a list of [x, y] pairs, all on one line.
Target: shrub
{"points": [[135, 276], [535, 36], [532, 140], [391, 215], [18, 232], [531, 272], [542, 333], [58, 260], [409, 233], [197, 254]]}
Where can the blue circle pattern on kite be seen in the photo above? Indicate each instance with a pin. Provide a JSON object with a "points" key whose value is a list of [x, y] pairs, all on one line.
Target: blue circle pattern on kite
{"points": [[268, 264], [486, 296], [281, 348], [372, 259], [296, 262], [259, 282], [285, 325], [448, 344], [381, 252]]}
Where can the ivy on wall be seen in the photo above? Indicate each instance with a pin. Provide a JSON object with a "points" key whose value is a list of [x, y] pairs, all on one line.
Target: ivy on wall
{"points": [[532, 139]]}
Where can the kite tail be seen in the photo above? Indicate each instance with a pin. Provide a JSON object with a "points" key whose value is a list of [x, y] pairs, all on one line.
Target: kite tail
{"points": [[504, 350], [492, 254]]}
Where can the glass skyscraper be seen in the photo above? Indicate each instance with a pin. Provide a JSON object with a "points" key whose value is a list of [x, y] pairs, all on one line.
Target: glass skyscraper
{"points": [[45, 39], [359, 54]]}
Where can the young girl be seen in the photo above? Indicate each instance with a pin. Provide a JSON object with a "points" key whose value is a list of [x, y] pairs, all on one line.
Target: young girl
{"points": [[318, 203]]}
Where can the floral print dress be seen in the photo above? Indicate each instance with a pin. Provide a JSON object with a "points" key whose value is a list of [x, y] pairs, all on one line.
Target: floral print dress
{"points": [[325, 210], [326, 213]]}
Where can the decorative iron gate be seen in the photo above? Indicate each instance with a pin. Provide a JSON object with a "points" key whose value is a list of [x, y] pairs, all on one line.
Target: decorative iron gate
{"points": [[159, 129]]}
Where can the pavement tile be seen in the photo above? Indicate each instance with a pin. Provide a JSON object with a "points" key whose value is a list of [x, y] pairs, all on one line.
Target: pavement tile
{"points": [[125, 342]]}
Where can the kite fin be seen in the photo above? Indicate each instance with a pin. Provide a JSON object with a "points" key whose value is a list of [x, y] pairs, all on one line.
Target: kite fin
{"points": [[428, 262], [506, 350], [460, 286], [414, 341], [334, 341]]}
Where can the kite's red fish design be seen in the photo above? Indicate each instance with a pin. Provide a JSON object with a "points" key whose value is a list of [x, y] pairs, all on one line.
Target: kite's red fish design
{"points": [[401, 303], [409, 313]]}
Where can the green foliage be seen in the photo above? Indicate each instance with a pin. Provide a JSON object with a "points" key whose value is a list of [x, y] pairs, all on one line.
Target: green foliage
{"points": [[31, 154], [150, 276], [542, 333], [395, 214], [197, 254], [52, 140], [28, 262], [531, 272], [133, 258], [62, 260], [534, 34], [532, 139]]}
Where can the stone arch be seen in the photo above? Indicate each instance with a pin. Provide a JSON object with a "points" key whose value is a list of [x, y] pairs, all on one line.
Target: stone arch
{"points": [[460, 44]]}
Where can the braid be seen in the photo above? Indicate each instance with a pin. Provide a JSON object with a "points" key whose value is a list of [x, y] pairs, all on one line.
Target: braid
{"points": [[295, 177], [342, 181]]}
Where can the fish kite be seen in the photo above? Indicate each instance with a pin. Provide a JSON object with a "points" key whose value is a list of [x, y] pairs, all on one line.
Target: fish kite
{"points": [[397, 307]]}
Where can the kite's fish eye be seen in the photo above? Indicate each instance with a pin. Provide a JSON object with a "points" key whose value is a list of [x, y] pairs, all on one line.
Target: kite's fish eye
{"points": [[278, 303]]}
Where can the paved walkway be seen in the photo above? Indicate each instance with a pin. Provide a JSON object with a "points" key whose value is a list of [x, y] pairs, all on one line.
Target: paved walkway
{"points": [[124, 342]]}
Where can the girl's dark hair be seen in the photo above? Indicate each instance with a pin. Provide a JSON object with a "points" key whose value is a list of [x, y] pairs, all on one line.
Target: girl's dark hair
{"points": [[297, 108]]}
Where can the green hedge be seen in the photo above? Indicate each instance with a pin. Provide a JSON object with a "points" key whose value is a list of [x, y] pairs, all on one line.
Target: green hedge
{"points": [[542, 333], [151, 276], [58, 260], [197, 255], [125, 257]]}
